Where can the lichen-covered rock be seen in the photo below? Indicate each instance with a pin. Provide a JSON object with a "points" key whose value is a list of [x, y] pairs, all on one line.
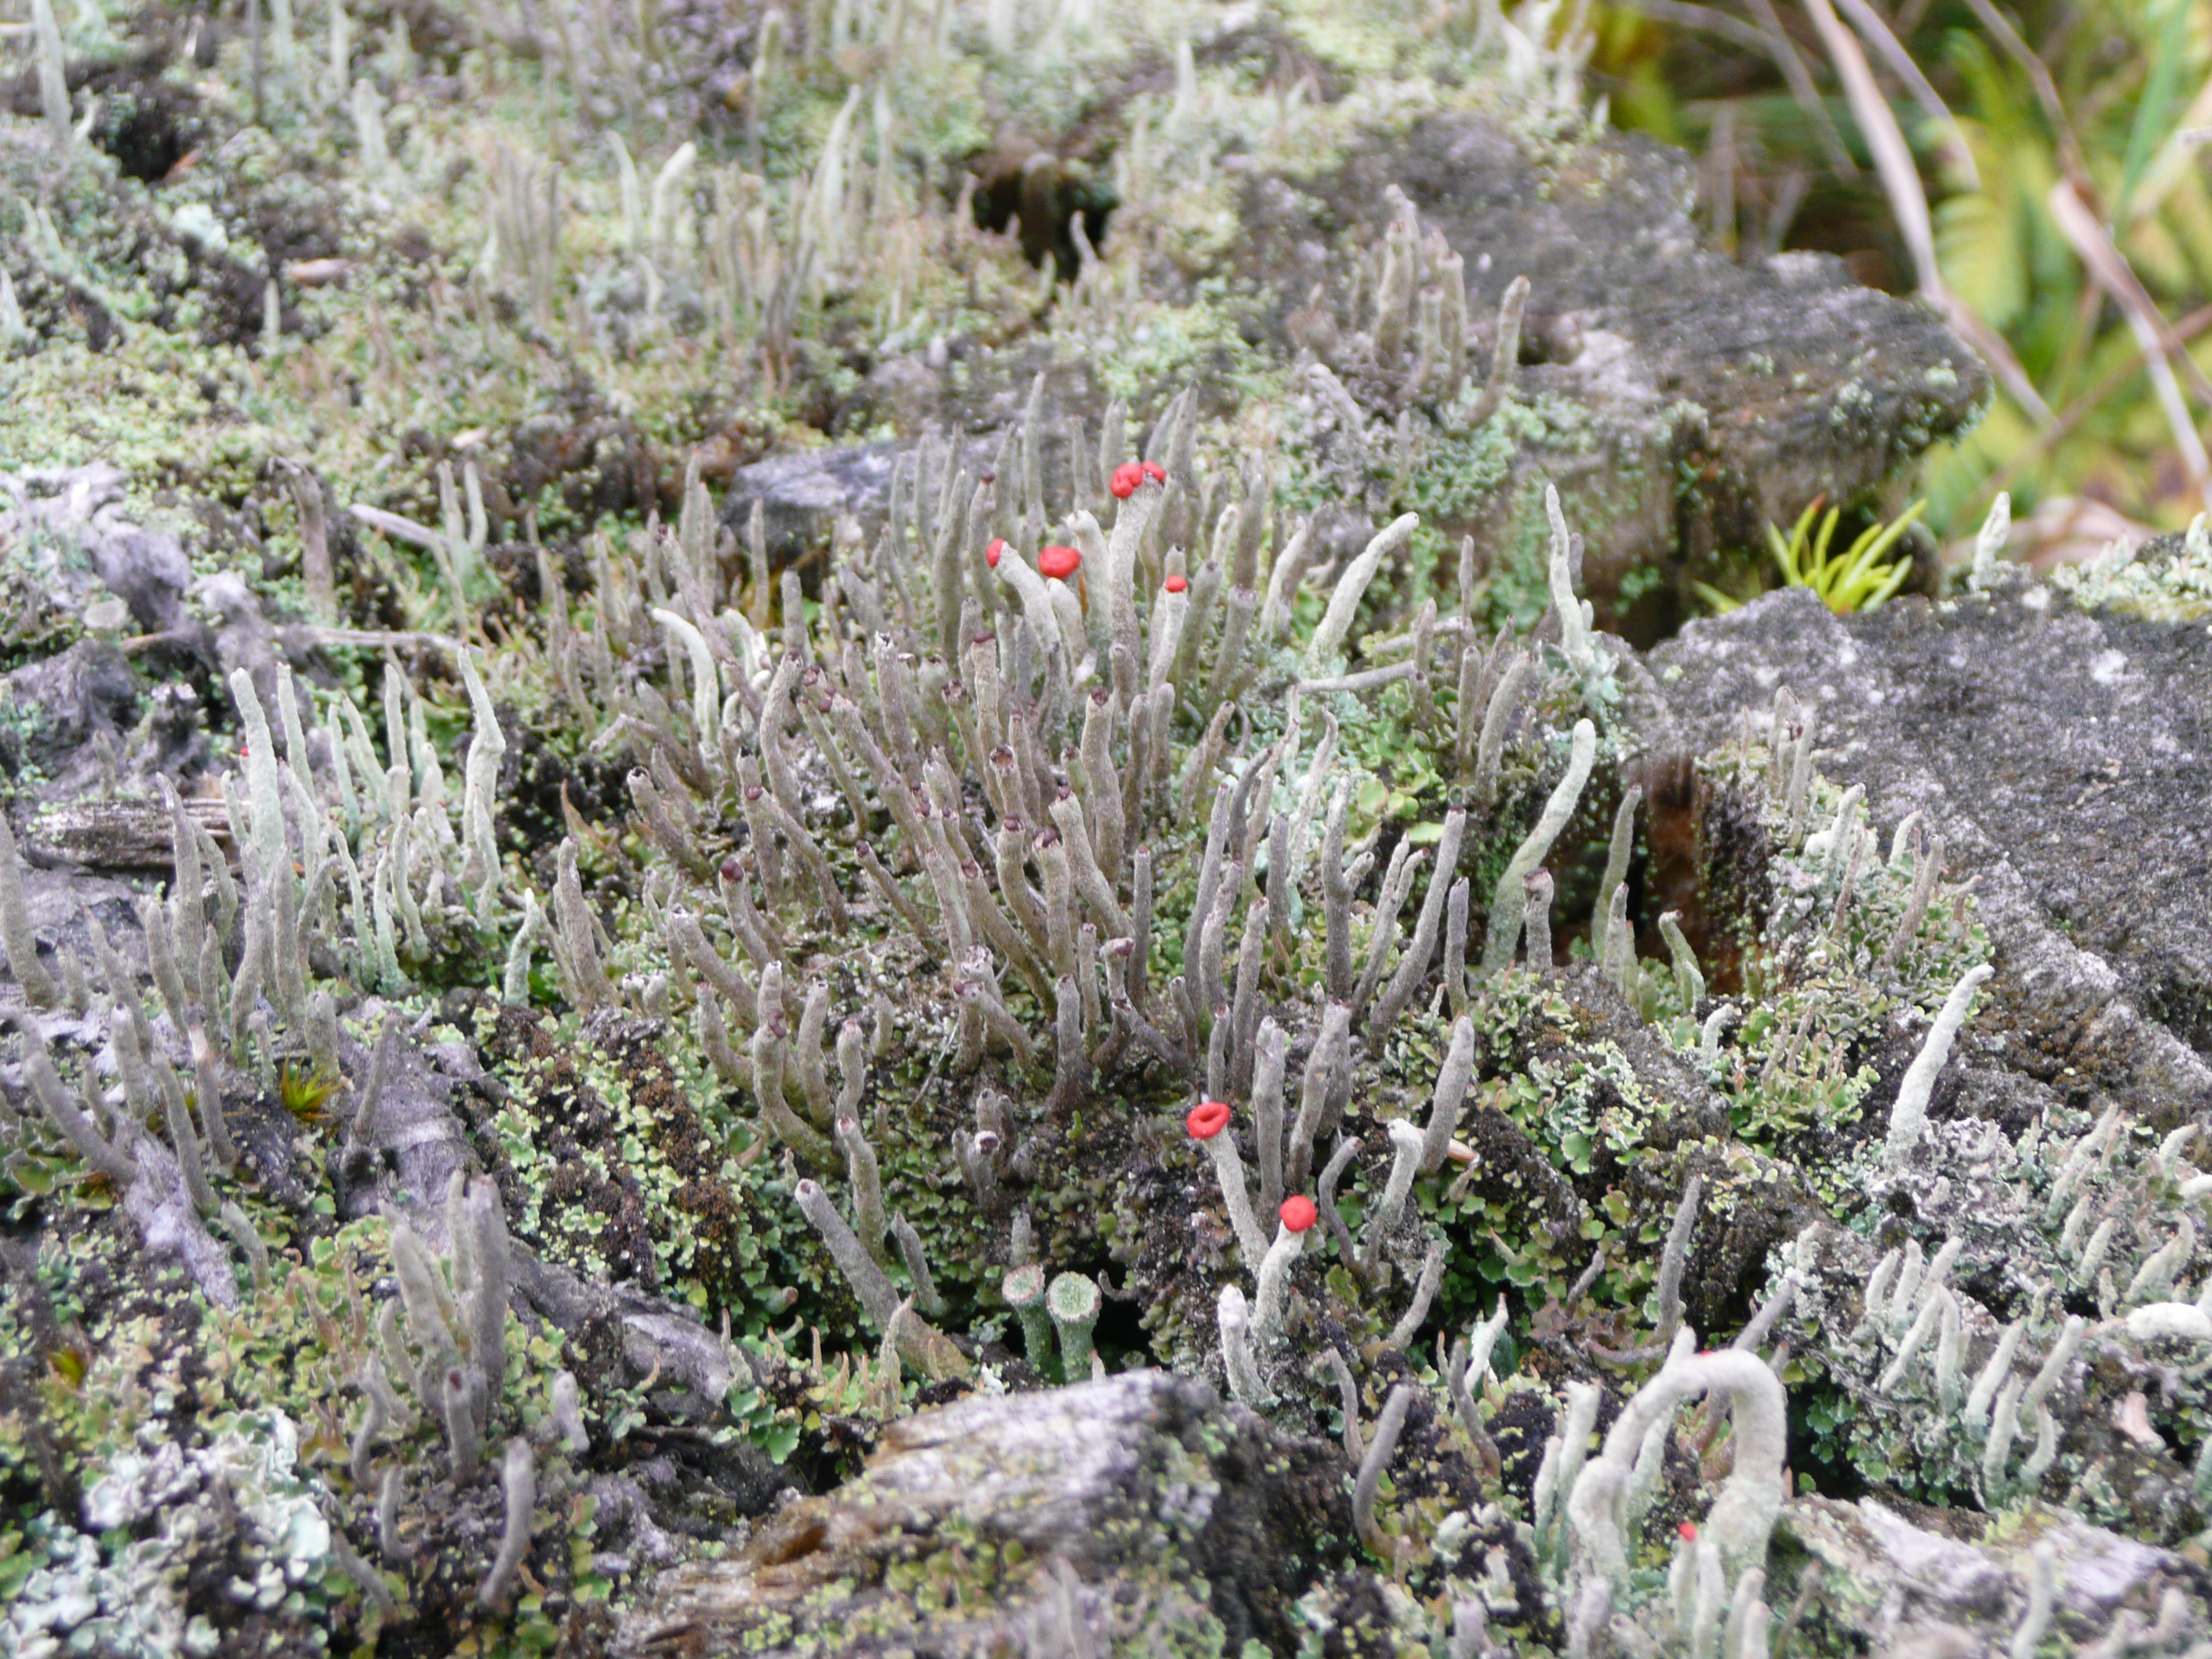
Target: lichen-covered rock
{"points": [[2065, 756], [1902, 1585], [1682, 400], [1077, 1518]]}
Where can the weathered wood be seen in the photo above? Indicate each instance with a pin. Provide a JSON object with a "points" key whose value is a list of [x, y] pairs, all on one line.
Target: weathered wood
{"points": [[117, 835]]}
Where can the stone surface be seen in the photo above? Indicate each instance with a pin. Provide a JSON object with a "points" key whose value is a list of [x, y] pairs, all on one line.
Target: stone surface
{"points": [[1808, 382], [72, 522], [1109, 1507], [1054, 1523], [1900, 1587], [2066, 758], [85, 693], [803, 496], [1712, 396]]}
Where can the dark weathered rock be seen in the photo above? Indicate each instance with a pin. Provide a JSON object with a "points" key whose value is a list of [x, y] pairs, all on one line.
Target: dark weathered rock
{"points": [[86, 692], [2066, 758], [1701, 399], [1810, 382], [1062, 1518]]}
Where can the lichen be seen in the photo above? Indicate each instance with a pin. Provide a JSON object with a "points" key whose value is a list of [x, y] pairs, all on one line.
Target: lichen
{"points": [[2169, 579]]}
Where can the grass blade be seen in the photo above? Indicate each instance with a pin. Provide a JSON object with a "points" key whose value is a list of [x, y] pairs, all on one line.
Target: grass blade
{"points": [[1799, 79], [2108, 268], [2155, 106], [1908, 201], [1865, 556], [1867, 21]]}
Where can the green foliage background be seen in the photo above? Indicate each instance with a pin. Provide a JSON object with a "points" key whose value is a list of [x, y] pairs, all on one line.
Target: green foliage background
{"points": [[2108, 94]]}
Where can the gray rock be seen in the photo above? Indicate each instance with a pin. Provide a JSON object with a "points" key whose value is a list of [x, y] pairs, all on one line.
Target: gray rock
{"points": [[1698, 399], [1899, 1588], [243, 637], [959, 386], [2065, 756], [85, 693], [73, 519], [1137, 1502], [803, 496], [1808, 381]]}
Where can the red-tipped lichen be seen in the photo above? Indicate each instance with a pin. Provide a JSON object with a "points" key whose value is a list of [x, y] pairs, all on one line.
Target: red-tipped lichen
{"points": [[1207, 1119]]}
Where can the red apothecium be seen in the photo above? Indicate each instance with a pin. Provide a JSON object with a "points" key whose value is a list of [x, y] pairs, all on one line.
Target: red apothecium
{"points": [[1207, 1119]]}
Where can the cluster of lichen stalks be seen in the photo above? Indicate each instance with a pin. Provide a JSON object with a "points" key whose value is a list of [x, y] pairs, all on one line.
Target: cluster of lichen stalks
{"points": [[1028, 721], [231, 966], [1030, 718], [1017, 724]]}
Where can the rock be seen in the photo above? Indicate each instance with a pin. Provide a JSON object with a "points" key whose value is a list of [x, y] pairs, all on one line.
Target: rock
{"points": [[803, 496], [1695, 398], [415, 1144], [65, 509], [1892, 1583], [2065, 756], [60, 901], [85, 694], [960, 386], [806, 496], [1109, 1507], [242, 635]]}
